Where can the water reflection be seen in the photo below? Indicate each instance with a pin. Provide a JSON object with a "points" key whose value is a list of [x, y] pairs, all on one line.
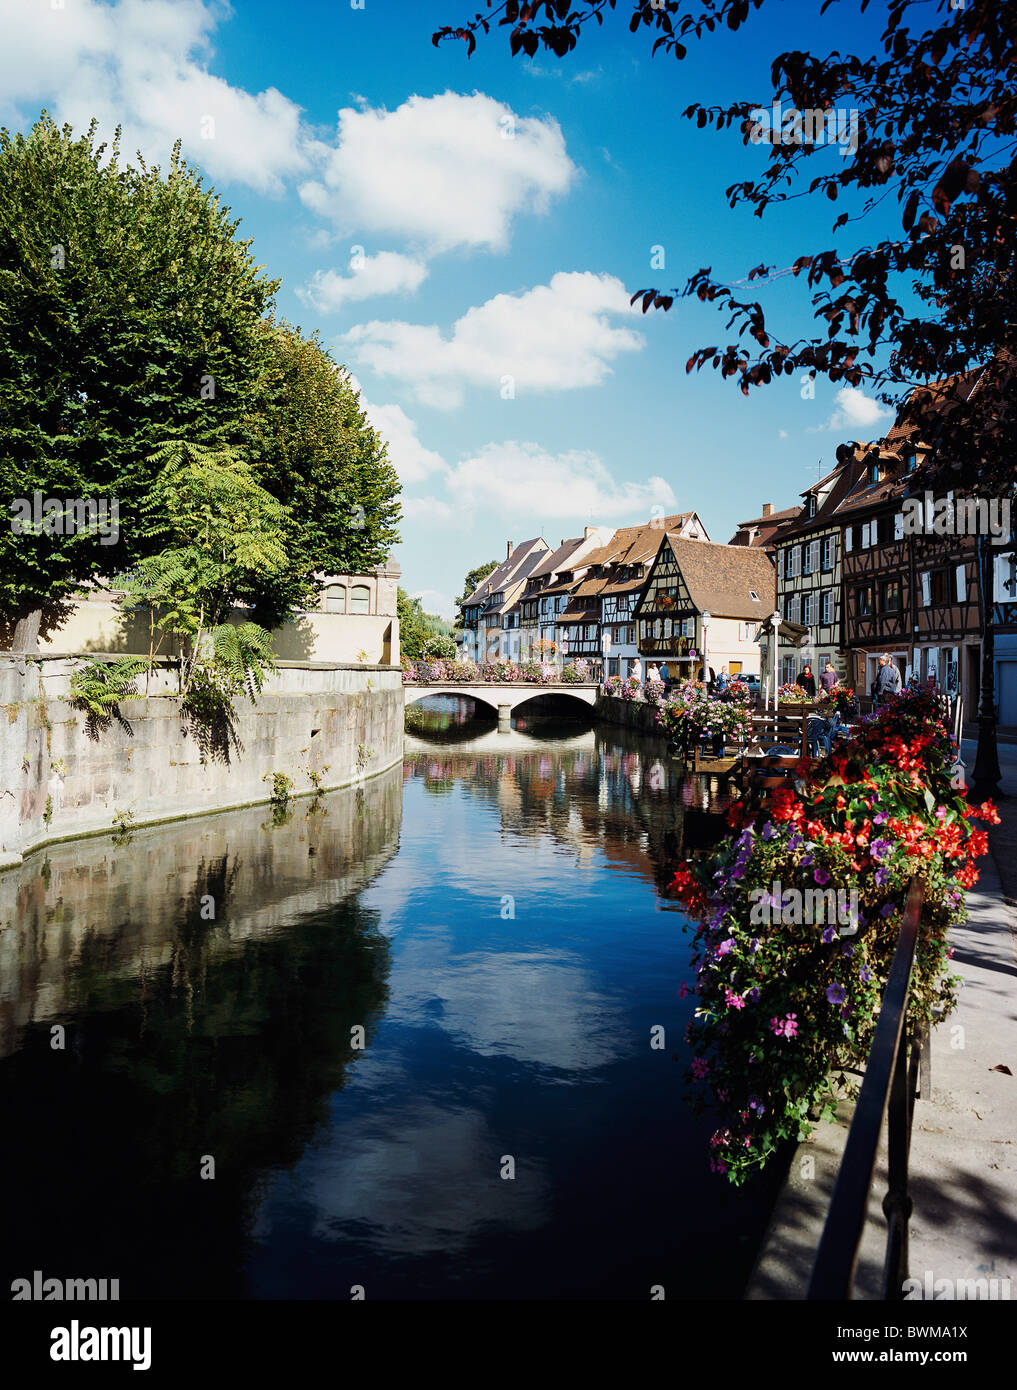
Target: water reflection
{"points": [[185, 1037], [493, 920]]}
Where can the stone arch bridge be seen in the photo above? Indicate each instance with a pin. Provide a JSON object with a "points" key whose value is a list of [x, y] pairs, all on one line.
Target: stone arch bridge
{"points": [[505, 698]]}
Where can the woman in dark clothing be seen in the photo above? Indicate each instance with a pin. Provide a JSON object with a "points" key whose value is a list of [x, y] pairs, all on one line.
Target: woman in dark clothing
{"points": [[807, 680]]}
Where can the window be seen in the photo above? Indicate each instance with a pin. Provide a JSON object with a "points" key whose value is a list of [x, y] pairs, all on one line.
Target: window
{"points": [[753, 596], [787, 607], [787, 670], [898, 527], [360, 599], [810, 505], [335, 598], [809, 610], [813, 555], [941, 586], [867, 537], [828, 552], [826, 606], [796, 561], [795, 609], [863, 600], [889, 596]]}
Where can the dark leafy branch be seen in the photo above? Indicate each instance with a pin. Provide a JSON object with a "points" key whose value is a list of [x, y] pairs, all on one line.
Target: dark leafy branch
{"points": [[929, 118]]}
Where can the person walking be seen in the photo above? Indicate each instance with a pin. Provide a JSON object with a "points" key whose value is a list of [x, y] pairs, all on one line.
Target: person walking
{"points": [[829, 678], [665, 676], [637, 670], [722, 681], [652, 673], [888, 680], [807, 680]]}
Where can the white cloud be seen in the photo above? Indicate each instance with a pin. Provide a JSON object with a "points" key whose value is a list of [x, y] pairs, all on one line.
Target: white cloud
{"points": [[782, 434], [554, 337], [411, 460], [522, 479], [429, 511], [385, 273], [141, 63], [855, 410], [439, 170]]}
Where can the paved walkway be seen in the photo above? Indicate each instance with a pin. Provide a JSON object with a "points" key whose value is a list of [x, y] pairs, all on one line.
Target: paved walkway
{"points": [[964, 1144]]}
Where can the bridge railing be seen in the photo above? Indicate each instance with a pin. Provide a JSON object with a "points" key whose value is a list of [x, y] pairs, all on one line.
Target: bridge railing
{"points": [[897, 1058]]}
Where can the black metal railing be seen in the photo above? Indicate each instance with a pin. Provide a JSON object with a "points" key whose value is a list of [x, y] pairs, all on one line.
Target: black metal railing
{"points": [[888, 1092]]}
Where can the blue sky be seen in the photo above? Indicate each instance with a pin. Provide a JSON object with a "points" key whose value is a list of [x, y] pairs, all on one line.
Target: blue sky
{"points": [[505, 209]]}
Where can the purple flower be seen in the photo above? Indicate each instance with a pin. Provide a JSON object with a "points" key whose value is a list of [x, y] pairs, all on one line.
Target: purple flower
{"points": [[882, 876], [753, 993], [795, 840], [865, 974], [836, 994], [881, 818], [887, 910], [880, 849], [725, 946], [821, 876], [700, 1068], [807, 861], [846, 1011], [767, 831], [848, 951], [829, 935]]}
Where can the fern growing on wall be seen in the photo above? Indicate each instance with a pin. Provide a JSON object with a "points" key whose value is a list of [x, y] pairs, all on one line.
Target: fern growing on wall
{"points": [[98, 687]]}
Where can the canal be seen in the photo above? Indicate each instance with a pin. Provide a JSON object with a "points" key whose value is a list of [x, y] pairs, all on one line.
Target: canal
{"points": [[397, 1037]]}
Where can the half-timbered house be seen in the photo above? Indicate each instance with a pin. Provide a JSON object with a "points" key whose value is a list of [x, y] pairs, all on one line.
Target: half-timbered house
{"points": [[807, 554], [702, 606]]}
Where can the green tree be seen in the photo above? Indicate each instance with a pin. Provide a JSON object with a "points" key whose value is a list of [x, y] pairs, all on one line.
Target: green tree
{"points": [[417, 628], [129, 313], [317, 453], [223, 538]]}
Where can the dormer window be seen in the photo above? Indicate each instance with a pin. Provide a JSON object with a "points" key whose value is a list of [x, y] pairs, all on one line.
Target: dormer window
{"points": [[810, 506], [753, 596]]}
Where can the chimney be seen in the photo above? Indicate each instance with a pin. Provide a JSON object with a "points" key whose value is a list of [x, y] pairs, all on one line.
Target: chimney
{"points": [[767, 508], [509, 547], [588, 532]]}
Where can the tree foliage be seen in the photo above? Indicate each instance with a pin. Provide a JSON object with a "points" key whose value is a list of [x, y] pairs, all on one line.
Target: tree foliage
{"points": [[417, 628], [223, 536], [129, 313], [936, 111], [317, 453]]}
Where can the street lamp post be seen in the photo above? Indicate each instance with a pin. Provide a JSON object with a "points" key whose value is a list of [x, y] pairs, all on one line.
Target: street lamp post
{"points": [[775, 620], [705, 620]]}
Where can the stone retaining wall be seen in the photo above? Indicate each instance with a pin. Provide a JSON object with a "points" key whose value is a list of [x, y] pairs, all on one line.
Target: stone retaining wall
{"points": [[57, 781]]}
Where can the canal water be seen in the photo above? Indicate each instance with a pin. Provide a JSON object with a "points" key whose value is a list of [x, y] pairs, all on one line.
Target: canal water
{"points": [[407, 1026]]}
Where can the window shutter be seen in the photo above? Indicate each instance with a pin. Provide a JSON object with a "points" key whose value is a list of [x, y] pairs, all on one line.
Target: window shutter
{"points": [[898, 527], [848, 537], [962, 584], [926, 588]]}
